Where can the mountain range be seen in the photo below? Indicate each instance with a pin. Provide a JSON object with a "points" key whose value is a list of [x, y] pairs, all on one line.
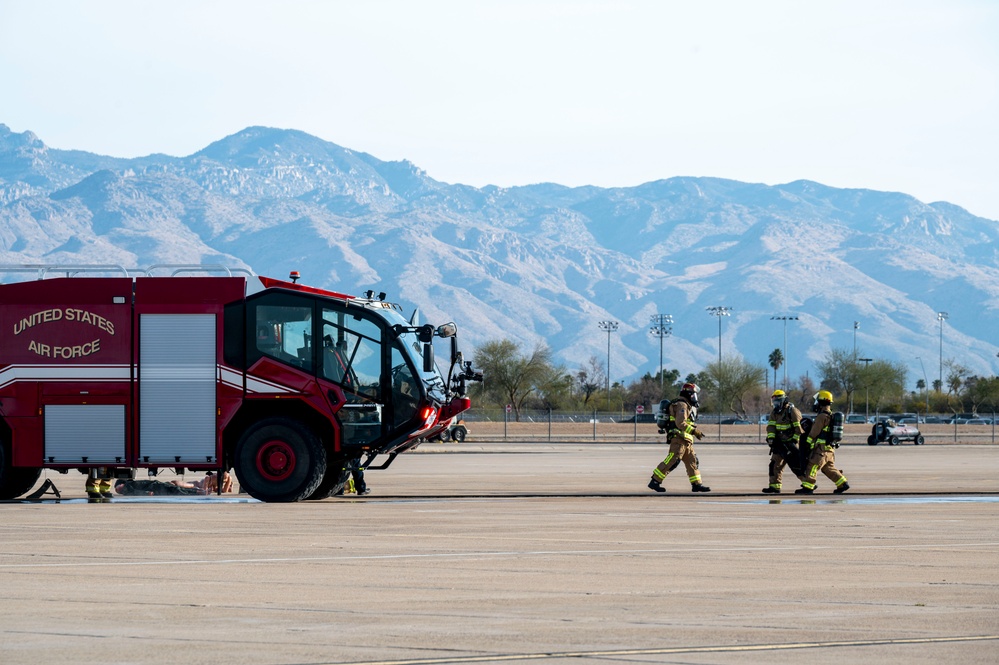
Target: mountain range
{"points": [[541, 263]]}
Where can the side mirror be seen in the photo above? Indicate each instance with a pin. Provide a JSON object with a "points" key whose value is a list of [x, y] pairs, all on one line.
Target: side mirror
{"points": [[428, 358], [447, 330]]}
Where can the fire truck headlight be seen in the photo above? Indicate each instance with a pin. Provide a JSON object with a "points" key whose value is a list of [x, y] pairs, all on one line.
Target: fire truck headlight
{"points": [[429, 415]]}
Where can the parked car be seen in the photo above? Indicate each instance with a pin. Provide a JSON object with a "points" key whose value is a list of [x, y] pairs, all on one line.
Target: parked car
{"points": [[975, 421], [735, 421], [894, 433], [855, 418]]}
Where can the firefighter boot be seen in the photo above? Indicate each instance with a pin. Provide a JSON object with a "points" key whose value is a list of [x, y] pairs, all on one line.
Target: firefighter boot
{"points": [[93, 489], [697, 487], [804, 490], [105, 488], [842, 488], [656, 486], [770, 489]]}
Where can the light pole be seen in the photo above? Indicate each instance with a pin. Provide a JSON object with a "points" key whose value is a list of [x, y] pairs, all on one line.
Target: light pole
{"points": [[662, 326], [785, 319], [856, 327], [941, 317], [719, 312], [609, 326], [867, 388], [926, 385]]}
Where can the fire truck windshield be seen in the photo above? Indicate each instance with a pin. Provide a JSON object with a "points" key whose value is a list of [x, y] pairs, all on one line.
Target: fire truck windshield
{"points": [[434, 379]]}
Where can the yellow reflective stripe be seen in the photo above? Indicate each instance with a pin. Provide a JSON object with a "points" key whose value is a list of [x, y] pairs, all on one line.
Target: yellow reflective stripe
{"points": [[695, 479], [658, 474], [808, 486]]}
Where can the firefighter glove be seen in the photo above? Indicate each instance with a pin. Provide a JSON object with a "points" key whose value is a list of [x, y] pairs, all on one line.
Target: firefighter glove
{"points": [[699, 434]]}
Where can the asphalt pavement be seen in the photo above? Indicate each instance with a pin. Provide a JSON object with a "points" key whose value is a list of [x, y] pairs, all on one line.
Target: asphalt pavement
{"points": [[507, 552]]}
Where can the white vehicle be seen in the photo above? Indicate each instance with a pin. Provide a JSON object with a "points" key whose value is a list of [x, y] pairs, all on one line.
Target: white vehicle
{"points": [[894, 433]]}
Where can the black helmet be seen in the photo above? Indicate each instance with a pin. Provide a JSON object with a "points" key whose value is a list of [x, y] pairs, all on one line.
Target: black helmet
{"points": [[689, 391]]}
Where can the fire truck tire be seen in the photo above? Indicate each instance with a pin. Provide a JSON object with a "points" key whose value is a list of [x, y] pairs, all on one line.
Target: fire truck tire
{"points": [[15, 481], [445, 435], [893, 441], [280, 460], [334, 480], [459, 434]]}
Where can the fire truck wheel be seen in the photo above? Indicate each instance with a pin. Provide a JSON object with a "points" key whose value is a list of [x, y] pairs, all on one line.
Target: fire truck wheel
{"points": [[459, 434], [445, 435], [280, 460], [334, 480], [15, 481]]}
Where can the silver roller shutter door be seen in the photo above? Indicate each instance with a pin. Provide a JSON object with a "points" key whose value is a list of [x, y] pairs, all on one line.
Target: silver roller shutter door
{"points": [[177, 388], [85, 433]]}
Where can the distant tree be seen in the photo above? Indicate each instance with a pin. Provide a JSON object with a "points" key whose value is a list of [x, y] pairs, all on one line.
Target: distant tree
{"points": [[513, 376], [840, 371], [590, 379], [776, 360], [730, 383], [645, 392], [554, 388]]}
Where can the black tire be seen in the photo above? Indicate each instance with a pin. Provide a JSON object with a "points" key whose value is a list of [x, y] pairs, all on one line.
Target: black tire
{"points": [[872, 440], [336, 477], [893, 441], [459, 434], [15, 481], [919, 440], [445, 435], [280, 460]]}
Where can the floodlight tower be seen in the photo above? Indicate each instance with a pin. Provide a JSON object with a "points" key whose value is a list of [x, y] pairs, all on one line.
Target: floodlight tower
{"points": [[609, 327], [662, 326], [719, 311]]}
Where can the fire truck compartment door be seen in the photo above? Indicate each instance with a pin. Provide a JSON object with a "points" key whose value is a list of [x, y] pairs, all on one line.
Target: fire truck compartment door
{"points": [[85, 433], [177, 389]]}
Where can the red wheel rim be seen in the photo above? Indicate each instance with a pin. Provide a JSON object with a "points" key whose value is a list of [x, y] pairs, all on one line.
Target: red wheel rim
{"points": [[275, 460]]}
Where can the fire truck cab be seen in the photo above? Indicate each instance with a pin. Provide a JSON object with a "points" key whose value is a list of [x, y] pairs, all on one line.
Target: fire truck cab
{"points": [[286, 384]]}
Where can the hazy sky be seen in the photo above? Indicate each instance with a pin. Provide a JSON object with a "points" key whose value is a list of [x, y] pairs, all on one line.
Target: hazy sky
{"points": [[898, 95]]}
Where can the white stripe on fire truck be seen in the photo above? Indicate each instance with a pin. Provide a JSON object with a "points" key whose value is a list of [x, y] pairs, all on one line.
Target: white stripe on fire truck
{"points": [[14, 373], [253, 384]]}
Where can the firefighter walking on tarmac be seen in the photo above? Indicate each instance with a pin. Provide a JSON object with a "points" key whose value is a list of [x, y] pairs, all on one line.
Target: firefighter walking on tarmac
{"points": [[681, 431], [783, 431], [822, 444]]}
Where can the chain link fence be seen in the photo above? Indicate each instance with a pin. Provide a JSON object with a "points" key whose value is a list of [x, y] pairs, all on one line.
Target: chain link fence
{"points": [[498, 424]]}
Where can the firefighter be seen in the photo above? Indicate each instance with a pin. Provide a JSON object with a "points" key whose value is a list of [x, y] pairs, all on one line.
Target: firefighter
{"points": [[355, 479], [99, 484], [680, 433], [783, 430], [822, 456]]}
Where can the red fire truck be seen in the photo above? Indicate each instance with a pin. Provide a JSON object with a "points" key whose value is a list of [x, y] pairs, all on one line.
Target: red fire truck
{"points": [[286, 384]]}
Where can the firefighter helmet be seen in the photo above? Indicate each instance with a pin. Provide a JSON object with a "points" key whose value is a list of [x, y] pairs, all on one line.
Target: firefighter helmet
{"points": [[689, 391], [821, 398], [778, 399]]}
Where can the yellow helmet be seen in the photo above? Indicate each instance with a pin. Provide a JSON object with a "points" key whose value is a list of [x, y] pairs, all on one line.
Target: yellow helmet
{"points": [[823, 397], [778, 399], [778, 393]]}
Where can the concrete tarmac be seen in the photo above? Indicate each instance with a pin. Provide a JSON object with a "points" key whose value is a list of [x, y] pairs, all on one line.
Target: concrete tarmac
{"points": [[495, 553]]}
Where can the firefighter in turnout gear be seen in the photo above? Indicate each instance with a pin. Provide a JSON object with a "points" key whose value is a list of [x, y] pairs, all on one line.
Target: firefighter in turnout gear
{"points": [[783, 430], [820, 441], [681, 432], [99, 484]]}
